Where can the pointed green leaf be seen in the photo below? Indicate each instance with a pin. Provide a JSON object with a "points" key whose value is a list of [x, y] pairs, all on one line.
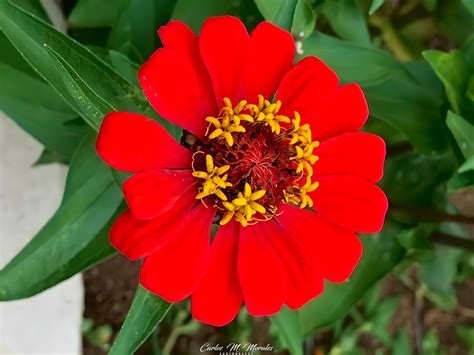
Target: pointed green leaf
{"points": [[32, 37], [304, 20], [74, 238], [467, 166], [376, 4], [452, 71], [146, 312], [463, 132], [347, 20]]}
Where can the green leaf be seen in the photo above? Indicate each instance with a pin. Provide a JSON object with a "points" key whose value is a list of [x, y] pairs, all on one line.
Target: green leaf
{"points": [[452, 71], [463, 132], [376, 4], [467, 166], [295, 16], [95, 13], [38, 109], [304, 20], [383, 314], [466, 335], [48, 156], [32, 37], [401, 344], [336, 52], [279, 12], [34, 7], [125, 66], [347, 20], [439, 271], [74, 238], [91, 106], [289, 330], [431, 344], [146, 312], [134, 34], [461, 181], [381, 254]]}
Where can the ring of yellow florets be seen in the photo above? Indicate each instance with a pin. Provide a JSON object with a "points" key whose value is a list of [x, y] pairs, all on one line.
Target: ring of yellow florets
{"points": [[248, 146]]}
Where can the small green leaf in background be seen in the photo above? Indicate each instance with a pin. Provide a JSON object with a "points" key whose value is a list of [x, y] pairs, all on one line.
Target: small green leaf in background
{"points": [[295, 16], [347, 20], [381, 317], [134, 33], [376, 4], [463, 132], [75, 237], [438, 273], [304, 20], [466, 335], [467, 166], [431, 344], [452, 71], [288, 327], [146, 312], [401, 345], [95, 13]]}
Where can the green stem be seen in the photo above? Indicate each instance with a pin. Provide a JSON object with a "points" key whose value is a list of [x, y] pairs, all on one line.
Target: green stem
{"points": [[391, 38]]}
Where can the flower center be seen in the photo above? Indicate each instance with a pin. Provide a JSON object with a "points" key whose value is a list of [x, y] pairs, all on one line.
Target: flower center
{"points": [[253, 160]]}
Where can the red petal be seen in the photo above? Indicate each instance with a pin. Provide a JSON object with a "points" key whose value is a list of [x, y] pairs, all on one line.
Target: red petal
{"points": [[223, 43], [305, 89], [335, 250], [345, 111], [218, 297], [175, 269], [311, 88], [136, 238], [178, 36], [305, 280], [171, 85], [261, 274], [360, 154], [272, 52], [152, 193], [350, 201], [131, 142]]}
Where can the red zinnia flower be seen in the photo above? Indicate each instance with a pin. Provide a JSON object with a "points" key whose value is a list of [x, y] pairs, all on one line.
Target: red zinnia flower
{"points": [[270, 153]]}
